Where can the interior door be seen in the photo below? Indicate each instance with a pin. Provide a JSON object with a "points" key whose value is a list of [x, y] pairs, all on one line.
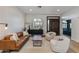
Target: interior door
{"points": [[53, 25]]}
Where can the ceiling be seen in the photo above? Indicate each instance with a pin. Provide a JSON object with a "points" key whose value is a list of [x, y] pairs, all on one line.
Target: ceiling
{"points": [[54, 10]]}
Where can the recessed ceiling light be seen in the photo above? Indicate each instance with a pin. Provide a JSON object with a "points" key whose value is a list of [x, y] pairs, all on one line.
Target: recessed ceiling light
{"points": [[58, 10], [30, 9]]}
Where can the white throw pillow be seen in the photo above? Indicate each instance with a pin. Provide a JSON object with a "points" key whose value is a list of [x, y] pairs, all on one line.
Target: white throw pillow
{"points": [[25, 33], [14, 37]]}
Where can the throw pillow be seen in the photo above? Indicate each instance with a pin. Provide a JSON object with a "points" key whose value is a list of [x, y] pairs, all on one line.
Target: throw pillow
{"points": [[25, 33], [14, 37]]}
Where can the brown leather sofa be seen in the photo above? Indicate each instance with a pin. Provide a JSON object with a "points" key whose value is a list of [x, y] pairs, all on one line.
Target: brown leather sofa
{"points": [[7, 44]]}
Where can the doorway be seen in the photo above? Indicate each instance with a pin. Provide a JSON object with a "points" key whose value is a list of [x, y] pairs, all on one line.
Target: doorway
{"points": [[53, 24], [67, 27]]}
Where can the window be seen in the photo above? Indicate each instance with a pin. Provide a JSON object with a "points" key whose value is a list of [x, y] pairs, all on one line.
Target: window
{"points": [[64, 24]]}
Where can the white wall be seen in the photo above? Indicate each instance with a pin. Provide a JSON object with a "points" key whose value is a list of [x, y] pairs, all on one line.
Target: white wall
{"points": [[29, 19], [13, 17], [74, 15], [75, 29]]}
